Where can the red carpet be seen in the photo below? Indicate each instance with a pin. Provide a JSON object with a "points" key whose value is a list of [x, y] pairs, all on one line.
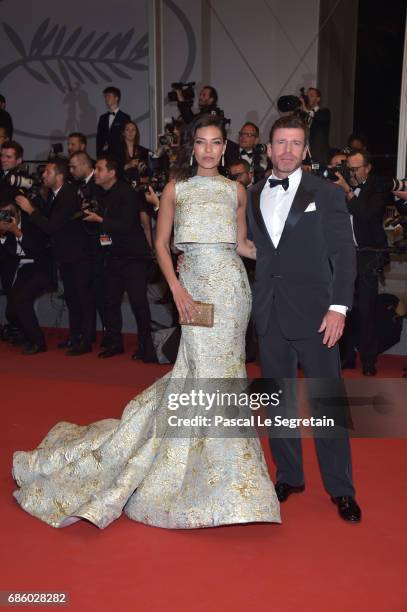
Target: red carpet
{"points": [[312, 562]]}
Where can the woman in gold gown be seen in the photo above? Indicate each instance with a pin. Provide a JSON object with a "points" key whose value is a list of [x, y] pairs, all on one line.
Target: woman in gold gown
{"points": [[137, 464]]}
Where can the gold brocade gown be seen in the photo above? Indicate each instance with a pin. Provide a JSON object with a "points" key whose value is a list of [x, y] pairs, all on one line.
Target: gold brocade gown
{"points": [[137, 464]]}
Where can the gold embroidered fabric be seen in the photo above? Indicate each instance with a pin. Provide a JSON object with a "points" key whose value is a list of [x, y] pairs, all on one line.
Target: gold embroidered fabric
{"points": [[135, 464]]}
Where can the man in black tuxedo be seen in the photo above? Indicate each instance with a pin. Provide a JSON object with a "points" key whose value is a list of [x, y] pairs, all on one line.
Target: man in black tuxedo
{"points": [[26, 248], [367, 202], [305, 272], [111, 125], [127, 259], [319, 120], [249, 150], [83, 173], [59, 220]]}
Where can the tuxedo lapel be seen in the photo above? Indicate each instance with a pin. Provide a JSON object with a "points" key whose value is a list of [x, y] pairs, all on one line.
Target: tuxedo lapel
{"points": [[301, 200], [258, 217]]}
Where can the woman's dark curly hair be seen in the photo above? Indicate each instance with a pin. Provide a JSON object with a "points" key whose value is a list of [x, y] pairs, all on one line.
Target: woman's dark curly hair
{"points": [[182, 169]]}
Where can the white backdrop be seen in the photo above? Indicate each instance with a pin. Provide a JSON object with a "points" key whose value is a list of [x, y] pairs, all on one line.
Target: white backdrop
{"points": [[56, 58]]}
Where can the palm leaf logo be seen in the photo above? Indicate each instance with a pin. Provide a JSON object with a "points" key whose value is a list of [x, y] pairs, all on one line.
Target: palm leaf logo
{"points": [[58, 58]]}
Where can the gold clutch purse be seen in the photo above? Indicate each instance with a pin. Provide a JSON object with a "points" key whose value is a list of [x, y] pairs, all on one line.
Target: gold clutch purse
{"points": [[203, 317]]}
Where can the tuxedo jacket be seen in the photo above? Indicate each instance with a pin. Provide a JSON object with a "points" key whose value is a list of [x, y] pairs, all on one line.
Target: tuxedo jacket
{"points": [[35, 245], [314, 264], [319, 135], [67, 235], [367, 210], [110, 137]]}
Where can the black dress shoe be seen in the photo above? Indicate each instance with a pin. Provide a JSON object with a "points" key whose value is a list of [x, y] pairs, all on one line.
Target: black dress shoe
{"points": [[66, 344], [79, 349], [348, 508], [283, 490], [369, 369], [138, 355], [111, 352], [34, 349]]}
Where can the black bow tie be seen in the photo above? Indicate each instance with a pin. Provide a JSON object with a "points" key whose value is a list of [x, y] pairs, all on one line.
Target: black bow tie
{"points": [[283, 182], [248, 153], [112, 113]]}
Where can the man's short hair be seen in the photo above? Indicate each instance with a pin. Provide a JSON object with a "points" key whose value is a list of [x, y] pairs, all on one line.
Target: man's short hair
{"points": [[317, 91], [2, 99], [113, 90], [240, 162], [357, 136], [253, 125], [111, 163], [61, 166], [81, 137], [214, 93], [84, 157], [289, 121], [367, 158], [17, 148]]}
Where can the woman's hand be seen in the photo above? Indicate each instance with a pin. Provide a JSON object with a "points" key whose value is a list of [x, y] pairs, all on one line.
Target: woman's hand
{"points": [[185, 304], [247, 249]]}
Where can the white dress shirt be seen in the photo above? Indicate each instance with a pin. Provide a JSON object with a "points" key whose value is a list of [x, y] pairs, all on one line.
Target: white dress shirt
{"points": [[112, 116], [275, 205]]}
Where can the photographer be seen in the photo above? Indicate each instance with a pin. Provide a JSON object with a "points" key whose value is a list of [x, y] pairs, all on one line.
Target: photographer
{"points": [[11, 163], [319, 120], [207, 101], [366, 203], [26, 249], [127, 259], [70, 248], [77, 143], [250, 150], [83, 173]]}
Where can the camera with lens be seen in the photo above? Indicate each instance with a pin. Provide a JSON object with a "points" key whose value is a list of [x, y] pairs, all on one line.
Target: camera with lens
{"points": [[152, 173], [329, 172], [259, 149], [218, 112], [6, 216], [169, 138], [187, 91], [30, 185], [293, 105]]}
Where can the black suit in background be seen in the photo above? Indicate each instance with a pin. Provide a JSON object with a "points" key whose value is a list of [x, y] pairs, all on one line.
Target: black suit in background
{"points": [[367, 210], [30, 280], [312, 268], [108, 140], [90, 192], [71, 251], [319, 136], [126, 264]]}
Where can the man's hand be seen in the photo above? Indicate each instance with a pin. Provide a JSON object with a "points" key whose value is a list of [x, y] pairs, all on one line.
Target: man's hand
{"points": [[13, 228], [92, 217], [401, 194], [25, 204], [4, 227], [332, 324]]}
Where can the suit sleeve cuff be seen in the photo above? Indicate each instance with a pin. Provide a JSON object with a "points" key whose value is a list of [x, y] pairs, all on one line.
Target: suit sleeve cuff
{"points": [[339, 308]]}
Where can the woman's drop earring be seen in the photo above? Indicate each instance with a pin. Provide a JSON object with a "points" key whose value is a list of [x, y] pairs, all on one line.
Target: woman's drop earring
{"points": [[191, 161]]}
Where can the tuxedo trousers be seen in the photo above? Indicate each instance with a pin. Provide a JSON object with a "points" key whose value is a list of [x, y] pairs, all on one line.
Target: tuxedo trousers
{"points": [[280, 357], [31, 281], [126, 274], [76, 279]]}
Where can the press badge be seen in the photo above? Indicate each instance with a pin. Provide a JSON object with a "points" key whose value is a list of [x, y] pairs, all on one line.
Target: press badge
{"points": [[105, 240]]}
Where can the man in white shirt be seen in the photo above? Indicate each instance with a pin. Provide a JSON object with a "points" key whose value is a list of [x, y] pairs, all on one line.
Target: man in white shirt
{"points": [[305, 273]]}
